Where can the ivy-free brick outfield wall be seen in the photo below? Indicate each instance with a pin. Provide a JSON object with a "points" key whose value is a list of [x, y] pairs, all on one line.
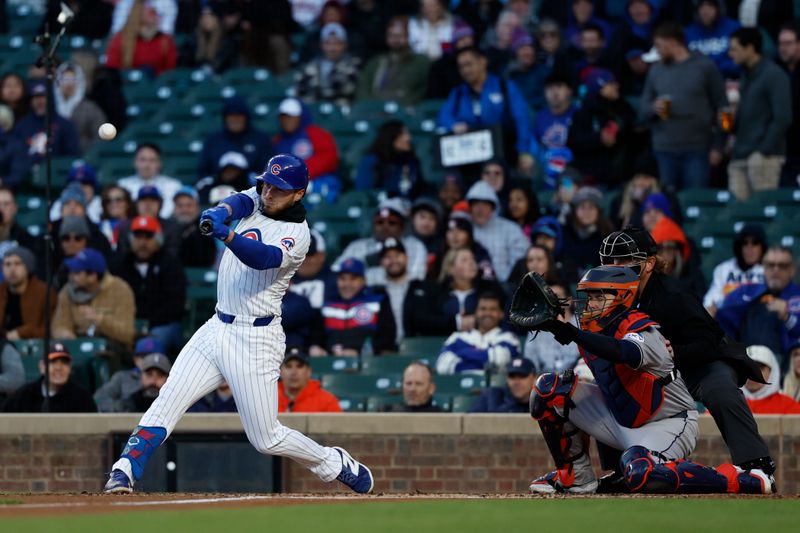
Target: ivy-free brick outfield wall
{"points": [[407, 453]]}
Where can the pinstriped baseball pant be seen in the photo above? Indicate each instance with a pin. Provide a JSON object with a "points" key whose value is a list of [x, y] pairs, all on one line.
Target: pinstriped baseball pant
{"points": [[249, 359]]}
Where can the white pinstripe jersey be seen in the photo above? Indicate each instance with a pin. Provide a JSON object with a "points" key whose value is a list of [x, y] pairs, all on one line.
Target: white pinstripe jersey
{"points": [[244, 291]]}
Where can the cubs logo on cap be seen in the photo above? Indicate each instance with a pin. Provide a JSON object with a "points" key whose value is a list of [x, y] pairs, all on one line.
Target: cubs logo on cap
{"points": [[275, 169]]}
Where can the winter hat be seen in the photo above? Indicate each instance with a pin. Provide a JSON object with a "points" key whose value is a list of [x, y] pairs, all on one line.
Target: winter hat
{"points": [[520, 38], [25, 255], [658, 200], [74, 225], [482, 191], [667, 230], [462, 30], [73, 193], [588, 194], [426, 203]]}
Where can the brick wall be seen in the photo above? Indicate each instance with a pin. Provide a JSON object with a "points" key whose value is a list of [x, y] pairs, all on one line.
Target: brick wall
{"points": [[436, 453]]}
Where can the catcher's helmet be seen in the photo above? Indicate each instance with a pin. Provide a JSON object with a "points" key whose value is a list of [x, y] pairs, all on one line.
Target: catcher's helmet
{"points": [[620, 281], [631, 245], [285, 171]]}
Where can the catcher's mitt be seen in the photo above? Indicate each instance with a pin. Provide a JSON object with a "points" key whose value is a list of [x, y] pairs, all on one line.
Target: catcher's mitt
{"points": [[534, 303]]}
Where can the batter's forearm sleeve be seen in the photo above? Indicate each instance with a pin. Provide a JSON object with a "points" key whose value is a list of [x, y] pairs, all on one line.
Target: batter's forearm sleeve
{"points": [[255, 254], [241, 205]]}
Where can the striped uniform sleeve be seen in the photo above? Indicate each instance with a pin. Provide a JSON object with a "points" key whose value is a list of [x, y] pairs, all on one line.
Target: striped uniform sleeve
{"points": [[447, 361], [292, 240], [504, 349]]}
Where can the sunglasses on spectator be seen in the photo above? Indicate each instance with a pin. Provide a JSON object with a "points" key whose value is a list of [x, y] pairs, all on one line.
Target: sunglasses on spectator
{"points": [[71, 237], [782, 266]]}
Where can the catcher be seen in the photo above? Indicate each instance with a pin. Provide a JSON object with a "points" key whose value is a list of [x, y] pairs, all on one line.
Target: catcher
{"points": [[639, 404]]}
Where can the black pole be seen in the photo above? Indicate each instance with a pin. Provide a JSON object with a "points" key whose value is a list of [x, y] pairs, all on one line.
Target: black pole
{"points": [[47, 60]]}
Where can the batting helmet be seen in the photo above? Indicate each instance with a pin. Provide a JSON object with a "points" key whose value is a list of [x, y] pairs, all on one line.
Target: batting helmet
{"points": [[620, 281], [285, 171], [630, 245]]}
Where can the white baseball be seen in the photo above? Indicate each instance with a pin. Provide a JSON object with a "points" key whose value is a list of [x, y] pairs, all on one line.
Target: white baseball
{"points": [[107, 131]]}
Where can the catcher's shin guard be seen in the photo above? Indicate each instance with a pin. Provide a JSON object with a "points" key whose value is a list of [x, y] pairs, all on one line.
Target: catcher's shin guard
{"points": [[644, 474], [141, 445]]}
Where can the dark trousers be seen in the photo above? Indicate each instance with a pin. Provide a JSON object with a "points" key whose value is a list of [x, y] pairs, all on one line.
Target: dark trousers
{"points": [[714, 385]]}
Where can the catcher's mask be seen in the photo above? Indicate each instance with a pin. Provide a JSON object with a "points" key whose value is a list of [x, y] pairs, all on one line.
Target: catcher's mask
{"points": [[620, 281], [630, 246]]}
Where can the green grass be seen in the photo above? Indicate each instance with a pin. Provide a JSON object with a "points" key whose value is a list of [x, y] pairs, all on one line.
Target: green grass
{"points": [[7, 501], [462, 516]]}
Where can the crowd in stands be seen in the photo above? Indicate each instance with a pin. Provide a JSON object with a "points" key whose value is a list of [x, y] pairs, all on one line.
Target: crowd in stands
{"points": [[602, 113]]}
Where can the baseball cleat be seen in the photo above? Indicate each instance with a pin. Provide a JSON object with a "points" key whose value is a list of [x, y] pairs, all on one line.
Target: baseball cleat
{"points": [[354, 474], [612, 483], [118, 483], [551, 483]]}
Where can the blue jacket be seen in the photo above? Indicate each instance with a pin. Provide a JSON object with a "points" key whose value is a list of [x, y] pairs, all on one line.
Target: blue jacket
{"points": [[498, 400], [551, 131], [734, 309], [253, 143], [27, 131], [713, 42], [494, 109]]}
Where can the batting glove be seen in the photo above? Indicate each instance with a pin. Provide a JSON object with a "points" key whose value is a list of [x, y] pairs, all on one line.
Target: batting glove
{"points": [[220, 231], [217, 214]]}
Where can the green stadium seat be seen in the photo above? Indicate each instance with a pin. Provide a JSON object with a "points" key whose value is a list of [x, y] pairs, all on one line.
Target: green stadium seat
{"points": [[144, 93], [352, 404], [391, 364], [182, 78], [750, 212], [460, 384], [377, 404], [462, 403], [182, 168], [779, 197], [699, 197], [201, 297], [422, 347], [428, 109], [60, 168], [333, 365], [211, 92], [361, 385]]}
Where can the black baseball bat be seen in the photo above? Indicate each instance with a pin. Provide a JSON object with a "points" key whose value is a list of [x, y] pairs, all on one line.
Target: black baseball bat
{"points": [[206, 227]]}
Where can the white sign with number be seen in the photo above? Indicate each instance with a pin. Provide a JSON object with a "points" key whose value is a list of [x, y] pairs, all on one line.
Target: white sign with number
{"points": [[473, 147]]}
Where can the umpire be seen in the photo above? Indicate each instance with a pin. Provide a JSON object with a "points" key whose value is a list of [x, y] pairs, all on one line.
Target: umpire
{"points": [[712, 366]]}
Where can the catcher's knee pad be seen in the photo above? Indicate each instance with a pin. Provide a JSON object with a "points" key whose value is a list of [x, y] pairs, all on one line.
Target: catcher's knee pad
{"points": [[552, 394], [643, 474]]}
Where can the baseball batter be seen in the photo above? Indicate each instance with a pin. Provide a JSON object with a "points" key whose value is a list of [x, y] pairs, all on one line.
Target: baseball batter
{"points": [[244, 343], [638, 404]]}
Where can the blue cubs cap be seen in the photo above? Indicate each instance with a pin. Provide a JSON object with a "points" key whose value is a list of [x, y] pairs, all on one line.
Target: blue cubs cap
{"points": [[149, 191], [187, 190], [148, 345], [352, 266], [82, 173], [658, 201], [87, 260], [520, 367], [285, 171]]}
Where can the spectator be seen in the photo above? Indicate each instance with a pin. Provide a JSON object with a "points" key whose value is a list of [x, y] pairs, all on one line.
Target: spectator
{"points": [[366, 23], [11, 233], [390, 164], [237, 135], [400, 74], [789, 53], [12, 373], [141, 44], [601, 130], [157, 280], [551, 124], [744, 267], [313, 278], [64, 395], [515, 396], [766, 398], [451, 191], [548, 233], [418, 390], [581, 16], [118, 209], [495, 174], [357, 313], [166, 12], [267, 29], [72, 103], [497, 42], [74, 231], [147, 163], [82, 173], [22, 297], [155, 371], [710, 35], [586, 226], [314, 145], [394, 262], [675, 249], [635, 34], [232, 170], [331, 76], [220, 400], [112, 396], [10, 146], [765, 313], [332, 12], [302, 324], [681, 97], [552, 54], [196, 250], [479, 15], [627, 207], [150, 203], [459, 234], [486, 347], [591, 52], [431, 32], [791, 382], [656, 208], [95, 303], [30, 131], [523, 208], [526, 71], [299, 393], [761, 118], [306, 12], [485, 100], [502, 238], [426, 225], [215, 44], [443, 76], [389, 221], [14, 94], [537, 259], [544, 351]]}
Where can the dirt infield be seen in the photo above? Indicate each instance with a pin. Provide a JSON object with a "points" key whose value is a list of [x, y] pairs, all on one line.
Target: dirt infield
{"points": [[20, 505]]}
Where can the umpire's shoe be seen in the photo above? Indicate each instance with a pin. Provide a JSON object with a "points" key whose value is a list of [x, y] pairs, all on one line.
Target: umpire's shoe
{"points": [[355, 475], [118, 483], [553, 482]]}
